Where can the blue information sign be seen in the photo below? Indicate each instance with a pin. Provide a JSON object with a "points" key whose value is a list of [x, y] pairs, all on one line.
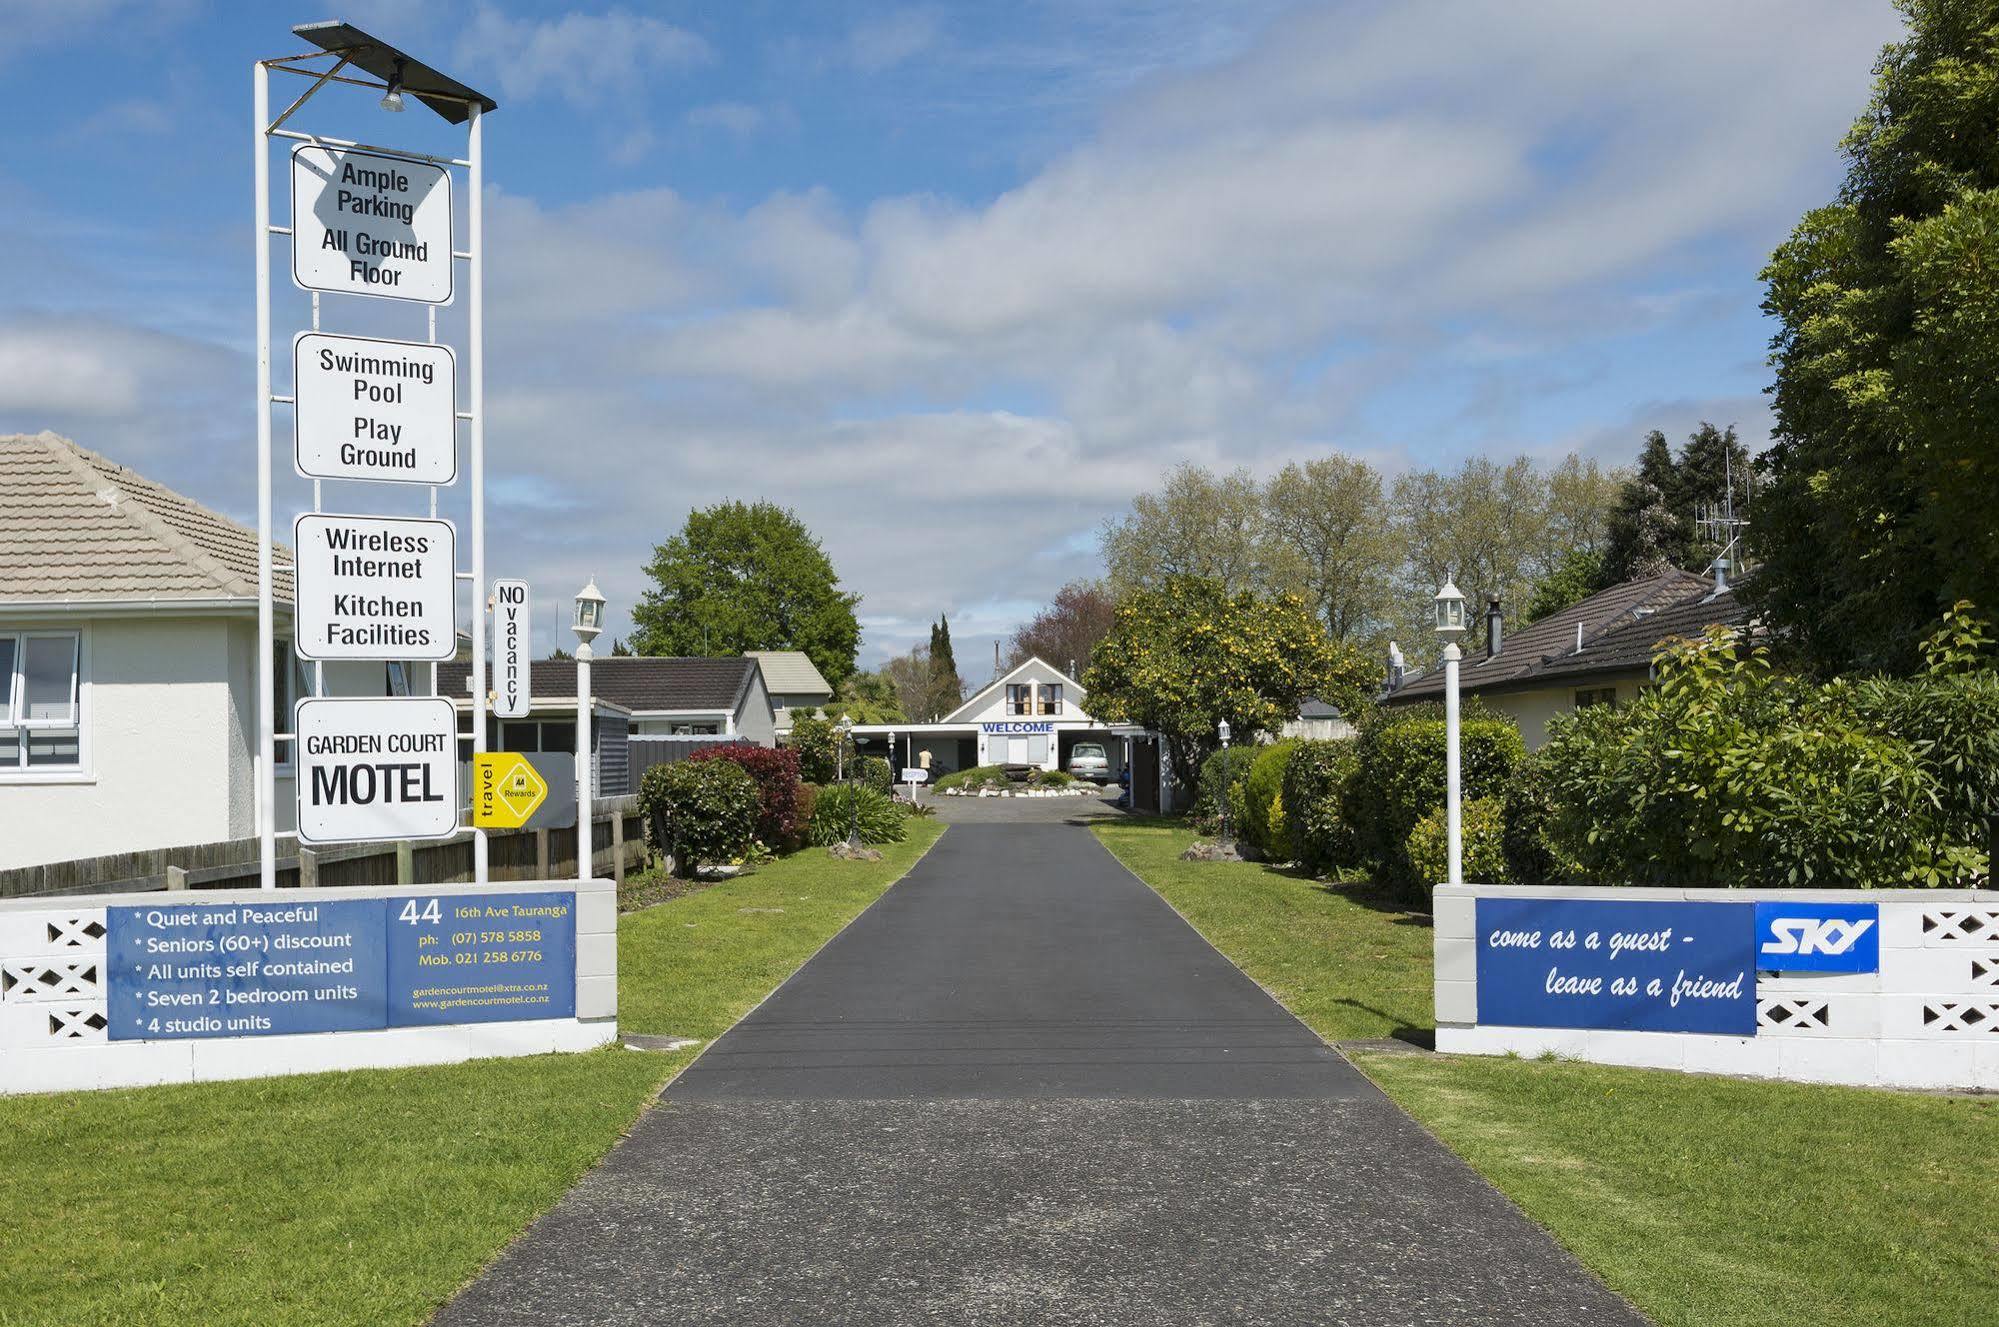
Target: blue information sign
{"points": [[1818, 937], [297, 964], [482, 958], [1597, 963], [194, 969]]}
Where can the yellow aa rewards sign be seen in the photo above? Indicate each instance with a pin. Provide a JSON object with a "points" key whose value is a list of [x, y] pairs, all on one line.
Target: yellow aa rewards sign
{"points": [[505, 790]]}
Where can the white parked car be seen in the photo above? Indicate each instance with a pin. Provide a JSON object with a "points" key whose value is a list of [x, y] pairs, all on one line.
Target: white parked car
{"points": [[1088, 761]]}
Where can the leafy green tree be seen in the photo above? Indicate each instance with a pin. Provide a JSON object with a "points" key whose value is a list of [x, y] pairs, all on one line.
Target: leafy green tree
{"points": [[1183, 657], [620, 650], [1198, 524], [869, 698], [747, 576], [1329, 515], [947, 689], [1653, 526], [1884, 475], [1578, 576]]}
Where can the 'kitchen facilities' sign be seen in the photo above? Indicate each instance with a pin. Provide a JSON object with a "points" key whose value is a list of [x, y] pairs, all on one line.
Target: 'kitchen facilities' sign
{"points": [[376, 769], [365, 223], [375, 587], [375, 410], [1667, 966]]}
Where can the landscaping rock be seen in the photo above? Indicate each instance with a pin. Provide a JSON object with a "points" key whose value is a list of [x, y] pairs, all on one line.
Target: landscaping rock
{"points": [[1205, 851], [853, 853]]}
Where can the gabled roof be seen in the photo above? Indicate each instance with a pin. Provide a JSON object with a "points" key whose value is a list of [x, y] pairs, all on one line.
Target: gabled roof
{"points": [[78, 528], [1620, 627], [637, 682], [972, 701], [790, 673]]}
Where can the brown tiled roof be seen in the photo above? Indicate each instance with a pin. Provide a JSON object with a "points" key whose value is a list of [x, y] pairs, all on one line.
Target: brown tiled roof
{"points": [[76, 527], [1619, 629], [636, 682]]}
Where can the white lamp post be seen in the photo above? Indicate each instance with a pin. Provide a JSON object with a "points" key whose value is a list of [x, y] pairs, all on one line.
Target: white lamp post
{"points": [[1222, 730], [853, 799], [1450, 604], [589, 621]]}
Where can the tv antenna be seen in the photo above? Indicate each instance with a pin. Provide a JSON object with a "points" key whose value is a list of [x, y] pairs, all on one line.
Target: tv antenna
{"points": [[1719, 523]]}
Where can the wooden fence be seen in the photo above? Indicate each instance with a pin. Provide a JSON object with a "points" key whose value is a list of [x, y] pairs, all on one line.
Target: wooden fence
{"points": [[617, 842]]}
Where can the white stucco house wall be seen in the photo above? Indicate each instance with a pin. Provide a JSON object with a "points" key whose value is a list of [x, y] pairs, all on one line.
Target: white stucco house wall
{"points": [[1031, 715], [128, 646]]}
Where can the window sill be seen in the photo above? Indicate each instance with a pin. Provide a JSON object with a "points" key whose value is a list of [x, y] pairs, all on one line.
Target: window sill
{"points": [[54, 776]]}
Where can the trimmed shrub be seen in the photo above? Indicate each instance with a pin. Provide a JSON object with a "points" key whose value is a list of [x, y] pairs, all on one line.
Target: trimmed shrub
{"points": [[1051, 778], [1727, 774], [1429, 847], [1527, 813], [875, 772], [1220, 773], [979, 776], [1400, 776], [700, 811], [839, 805], [817, 742], [1263, 820], [780, 823], [1314, 796]]}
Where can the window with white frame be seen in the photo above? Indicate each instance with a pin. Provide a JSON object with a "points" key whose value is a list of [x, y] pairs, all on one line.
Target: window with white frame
{"points": [[1051, 697], [41, 704], [1020, 698], [291, 681]]}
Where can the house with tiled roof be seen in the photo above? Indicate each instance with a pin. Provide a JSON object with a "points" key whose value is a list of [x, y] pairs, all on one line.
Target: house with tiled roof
{"points": [[1596, 652], [128, 662], [676, 704]]}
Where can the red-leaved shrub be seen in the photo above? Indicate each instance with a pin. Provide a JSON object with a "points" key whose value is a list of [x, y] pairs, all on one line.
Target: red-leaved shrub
{"points": [[781, 815]]}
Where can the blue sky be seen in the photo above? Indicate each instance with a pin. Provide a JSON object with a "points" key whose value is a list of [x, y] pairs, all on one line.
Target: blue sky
{"points": [[954, 281]]}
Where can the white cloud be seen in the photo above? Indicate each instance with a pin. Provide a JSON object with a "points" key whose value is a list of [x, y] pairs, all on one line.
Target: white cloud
{"points": [[733, 117], [586, 59], [884, 42]]}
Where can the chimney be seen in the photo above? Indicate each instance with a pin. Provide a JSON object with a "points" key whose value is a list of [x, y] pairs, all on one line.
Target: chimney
{"points": [[1721, 573], [1396, 666], [1495, 630]]}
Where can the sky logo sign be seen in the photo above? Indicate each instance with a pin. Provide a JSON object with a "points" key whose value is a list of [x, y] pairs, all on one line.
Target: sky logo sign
{"points": [[1818, 937]]}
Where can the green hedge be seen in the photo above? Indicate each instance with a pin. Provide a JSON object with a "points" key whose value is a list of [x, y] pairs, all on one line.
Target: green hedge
{"points": [[699, 811], [1429, 849], [1728, 774], [1399, 778], [1220, 773], [979, 776], [876, 773], [1261, 794], [1533, 856], [840, 805], [1315, 795]]}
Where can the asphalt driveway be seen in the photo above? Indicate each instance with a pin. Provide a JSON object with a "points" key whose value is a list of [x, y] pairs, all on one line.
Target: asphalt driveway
{"points": [[1020, 1089]]}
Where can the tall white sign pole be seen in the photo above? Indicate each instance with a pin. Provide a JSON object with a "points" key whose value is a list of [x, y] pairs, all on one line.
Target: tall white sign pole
{"points": [[265, 774], [476, 341]]}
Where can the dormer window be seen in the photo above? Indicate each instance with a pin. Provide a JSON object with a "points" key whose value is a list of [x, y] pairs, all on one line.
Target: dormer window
{"points": [[1020, 698], [1051, 698]]}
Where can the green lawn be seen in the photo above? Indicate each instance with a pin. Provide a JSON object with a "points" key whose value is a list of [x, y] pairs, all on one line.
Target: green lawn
{"points": [[367, 1198], [1349, 962], [1705, 1200]]}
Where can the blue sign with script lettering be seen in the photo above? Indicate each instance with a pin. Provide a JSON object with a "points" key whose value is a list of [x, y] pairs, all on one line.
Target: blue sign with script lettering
{"points": [[1818, 937], [193, 968], [482, 958], [1646, 966]]}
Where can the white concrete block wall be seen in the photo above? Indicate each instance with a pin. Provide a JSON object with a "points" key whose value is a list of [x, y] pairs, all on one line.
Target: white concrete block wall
{"points": [[53, 1000], [1929, 1018]]}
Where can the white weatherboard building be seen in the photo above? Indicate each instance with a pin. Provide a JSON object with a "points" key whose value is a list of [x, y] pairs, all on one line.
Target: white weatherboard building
{"points": [[1031, 715], [128, 646]]}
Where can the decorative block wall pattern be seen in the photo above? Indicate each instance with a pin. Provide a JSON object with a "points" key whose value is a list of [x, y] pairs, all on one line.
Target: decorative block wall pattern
{"points": [[53, 1015], [1929, 1018]]}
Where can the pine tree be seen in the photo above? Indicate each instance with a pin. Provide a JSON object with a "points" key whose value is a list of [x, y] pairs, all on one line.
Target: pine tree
{"points": [[947, 691], [1645, 533]]}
